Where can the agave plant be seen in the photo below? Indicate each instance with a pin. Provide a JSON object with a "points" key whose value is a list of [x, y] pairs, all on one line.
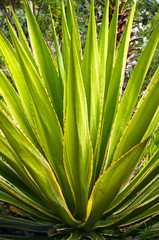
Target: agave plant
{"points": [[122, 20], [68, 142]]}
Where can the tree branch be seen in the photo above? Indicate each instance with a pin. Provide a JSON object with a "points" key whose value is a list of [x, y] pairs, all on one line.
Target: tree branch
{"points": [[39, 10]]}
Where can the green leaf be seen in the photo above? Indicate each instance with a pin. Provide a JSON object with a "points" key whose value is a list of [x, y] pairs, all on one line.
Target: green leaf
{"points": [[129, 98], [23, 39], [75, 235], [48, 129], [58, 53], [22, 197], [14, 103], [121, 219], [140, 121], [144, 215], [23, 193], [149, 172], [38, 168], [112, 36], [17, 75], [91, 77], [78, 154], [13, 166], [131, 213], [153, 124], [50, 78], [145, 228], [103, 49], [103, 45], [115, 86], [108, 185], [31, 208], [72, 23], [4, 107], [155, 120], [95, 236], [66, 39], [147, 194], [23, 224]]}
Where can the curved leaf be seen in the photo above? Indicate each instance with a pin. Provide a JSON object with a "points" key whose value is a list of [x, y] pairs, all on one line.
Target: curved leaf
{"points": [[38, 168], [140, 122], [149, 172], [130, 96], [108, 185], [14, 103], [47, 69]]}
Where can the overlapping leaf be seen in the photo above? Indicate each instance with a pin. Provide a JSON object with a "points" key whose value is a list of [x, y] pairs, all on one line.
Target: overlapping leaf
{"points": [[78, 154], [47, 69], [67, 142], [109, 184], [36, 168], [91, 77]]}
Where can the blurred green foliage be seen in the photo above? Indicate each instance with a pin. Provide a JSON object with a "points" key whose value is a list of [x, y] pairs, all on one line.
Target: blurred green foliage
{"points": [[148, 13], [41, 12], [44, 18]]}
